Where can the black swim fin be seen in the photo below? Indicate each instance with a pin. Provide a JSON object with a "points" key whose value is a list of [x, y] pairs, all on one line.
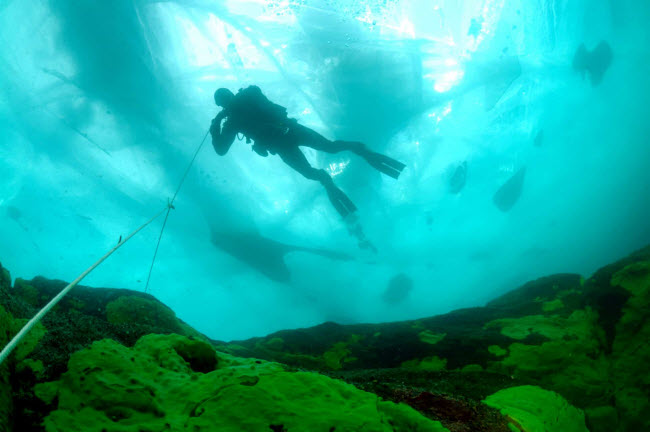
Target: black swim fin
{"points": [[341, 202], [385, 164]]}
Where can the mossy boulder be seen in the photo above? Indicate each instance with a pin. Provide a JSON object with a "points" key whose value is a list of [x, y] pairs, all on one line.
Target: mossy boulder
{"points": [[153, 387], [533, 409]]}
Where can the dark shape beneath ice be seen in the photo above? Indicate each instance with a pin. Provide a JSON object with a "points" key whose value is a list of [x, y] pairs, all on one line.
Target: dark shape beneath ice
{"points": [[509, 193]]}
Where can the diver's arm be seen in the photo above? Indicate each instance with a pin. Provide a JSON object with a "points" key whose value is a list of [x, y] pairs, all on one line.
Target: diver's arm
{"points": [[222, 138]]}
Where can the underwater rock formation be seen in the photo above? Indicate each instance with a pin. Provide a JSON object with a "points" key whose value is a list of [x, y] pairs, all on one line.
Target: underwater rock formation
{"points": [[508, 194], [156, 386], [85, 315], [582, 338], [6, 400], [575, 349]]}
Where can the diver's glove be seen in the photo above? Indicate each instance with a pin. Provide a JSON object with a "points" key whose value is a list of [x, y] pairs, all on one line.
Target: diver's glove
{"points": [[260, 150], [215, 127]]}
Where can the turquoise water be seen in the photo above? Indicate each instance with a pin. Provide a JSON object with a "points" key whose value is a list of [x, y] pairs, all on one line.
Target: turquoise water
{"points": [[102, 106]]}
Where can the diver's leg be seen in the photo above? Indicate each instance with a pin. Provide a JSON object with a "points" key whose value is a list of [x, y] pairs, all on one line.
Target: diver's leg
{"points": [[310, 138], [293, 157]]}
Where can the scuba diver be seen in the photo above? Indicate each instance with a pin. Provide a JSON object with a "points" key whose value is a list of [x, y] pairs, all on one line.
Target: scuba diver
{"points": [[266, 124]]}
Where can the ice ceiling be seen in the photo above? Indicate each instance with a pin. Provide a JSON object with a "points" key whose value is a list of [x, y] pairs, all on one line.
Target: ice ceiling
{"points": [[102, 105]]}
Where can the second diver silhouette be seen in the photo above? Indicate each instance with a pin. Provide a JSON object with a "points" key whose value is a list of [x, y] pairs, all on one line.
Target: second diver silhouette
{"points": [[266, 124]]}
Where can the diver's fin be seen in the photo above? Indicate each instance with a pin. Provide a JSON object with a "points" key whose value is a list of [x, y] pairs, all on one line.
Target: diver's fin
{"points": [[385, 164], [340, 201]]}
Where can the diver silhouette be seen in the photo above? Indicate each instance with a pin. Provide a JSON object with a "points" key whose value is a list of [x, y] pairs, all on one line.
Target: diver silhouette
{"points": [[266, 124]]}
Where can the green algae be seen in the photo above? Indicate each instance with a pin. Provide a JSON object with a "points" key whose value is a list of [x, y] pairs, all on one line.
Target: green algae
{"points": [[35, 366], [552, 327], [472, 368], [552, 305], [429, 337], [339, 353], [335, 356], [152, 387], [572, 361], [533, 409], [433, 363], [497, 351]]}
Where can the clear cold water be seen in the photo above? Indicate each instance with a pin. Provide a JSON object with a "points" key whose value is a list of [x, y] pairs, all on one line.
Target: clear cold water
{"points": [[102, 105]]}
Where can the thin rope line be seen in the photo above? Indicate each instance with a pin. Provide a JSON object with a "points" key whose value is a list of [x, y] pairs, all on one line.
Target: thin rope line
{"points": [[146, 287], [170, 206], [16, 339], [189, 166]]}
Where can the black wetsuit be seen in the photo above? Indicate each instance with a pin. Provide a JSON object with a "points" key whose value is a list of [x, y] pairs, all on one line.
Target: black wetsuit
{"points": [[267, 124]]}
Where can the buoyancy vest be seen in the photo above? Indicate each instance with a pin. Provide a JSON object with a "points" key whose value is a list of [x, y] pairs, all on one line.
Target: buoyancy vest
{"points": [[254, 115]]}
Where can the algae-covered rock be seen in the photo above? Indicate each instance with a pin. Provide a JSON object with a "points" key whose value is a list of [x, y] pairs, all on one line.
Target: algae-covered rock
{"points": [[430, 337], [497, 351], [337, 355], [5, 278], [433, 363], [569, 359], [533, 409], [153, 387], [472, 368], [602, 419], [17, 364], [552, 305], [29, 293], [31, 339], [631, 351], [6, 403], [128, 309]]}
